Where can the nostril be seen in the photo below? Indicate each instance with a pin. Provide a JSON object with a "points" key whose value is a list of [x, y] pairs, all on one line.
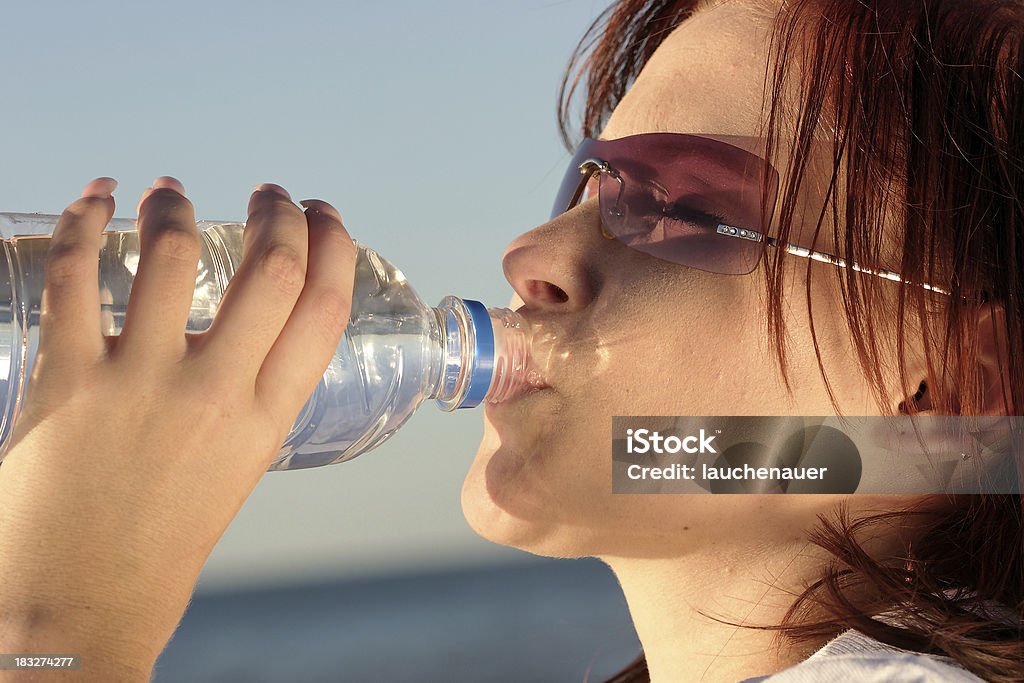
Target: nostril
{"points": [[547, 292]]}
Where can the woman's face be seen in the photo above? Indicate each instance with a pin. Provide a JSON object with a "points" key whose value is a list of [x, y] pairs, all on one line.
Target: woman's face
{"points": [[624, 333]]}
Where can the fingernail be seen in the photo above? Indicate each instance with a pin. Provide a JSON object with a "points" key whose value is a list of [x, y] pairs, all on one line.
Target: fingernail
{"points": [[169, 183], [272, 187], [320, 206], [100, 188]]}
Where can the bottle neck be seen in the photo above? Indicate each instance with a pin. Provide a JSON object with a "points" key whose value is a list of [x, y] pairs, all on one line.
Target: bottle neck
{"points": [[479, 355]]}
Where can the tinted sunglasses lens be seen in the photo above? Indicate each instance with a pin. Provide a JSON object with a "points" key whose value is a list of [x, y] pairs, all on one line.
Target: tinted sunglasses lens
{"points": [[688, 200], [680, 231]]}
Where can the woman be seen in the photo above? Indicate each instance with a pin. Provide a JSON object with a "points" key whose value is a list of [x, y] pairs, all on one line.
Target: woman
{"points": [[893, 131]]}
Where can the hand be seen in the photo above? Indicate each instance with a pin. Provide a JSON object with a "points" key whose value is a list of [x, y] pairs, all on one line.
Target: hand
{"points": [[133, 453]]}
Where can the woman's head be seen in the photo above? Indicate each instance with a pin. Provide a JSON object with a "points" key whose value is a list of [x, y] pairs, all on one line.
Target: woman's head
{"points": [[893, 128], [625, 333]]}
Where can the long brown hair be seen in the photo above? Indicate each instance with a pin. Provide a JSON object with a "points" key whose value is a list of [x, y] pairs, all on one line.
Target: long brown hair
{"points": [[924, 98]]}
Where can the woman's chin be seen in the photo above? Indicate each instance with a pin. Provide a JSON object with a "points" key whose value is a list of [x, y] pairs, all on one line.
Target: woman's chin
{"points": [[501, 505]]}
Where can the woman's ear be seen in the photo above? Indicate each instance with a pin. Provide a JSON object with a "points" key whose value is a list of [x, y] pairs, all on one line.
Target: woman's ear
{"points": [[920, 402], [987, 360]]}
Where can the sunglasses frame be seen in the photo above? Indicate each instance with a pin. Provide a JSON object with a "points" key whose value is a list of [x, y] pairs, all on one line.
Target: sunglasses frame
{"points": [[594, 165]]}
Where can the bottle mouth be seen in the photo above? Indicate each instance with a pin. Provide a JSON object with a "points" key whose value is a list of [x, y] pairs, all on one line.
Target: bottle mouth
{"points": [[485, 351], [487, 355], [469, 353]]}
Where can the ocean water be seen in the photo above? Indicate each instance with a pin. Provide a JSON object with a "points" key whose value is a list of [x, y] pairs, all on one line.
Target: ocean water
{"points": [[536, 621]]}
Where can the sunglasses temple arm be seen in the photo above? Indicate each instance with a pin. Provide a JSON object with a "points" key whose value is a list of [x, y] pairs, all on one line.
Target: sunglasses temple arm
{"points": [[825, 257]]}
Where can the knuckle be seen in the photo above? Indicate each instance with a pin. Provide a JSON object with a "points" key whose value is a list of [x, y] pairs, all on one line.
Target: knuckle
{"points": [[284, 267], [175, 245], [68, 261], [221, 404], [219, 386]]}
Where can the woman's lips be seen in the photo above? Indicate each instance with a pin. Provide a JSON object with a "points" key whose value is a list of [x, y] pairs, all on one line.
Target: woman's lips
{"points": [[530, 387], [518, 406], [533, 383], [535, 379]]}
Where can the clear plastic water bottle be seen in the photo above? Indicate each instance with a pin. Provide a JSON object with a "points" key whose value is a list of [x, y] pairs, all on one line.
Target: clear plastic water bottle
{"points": [[396, 352]]}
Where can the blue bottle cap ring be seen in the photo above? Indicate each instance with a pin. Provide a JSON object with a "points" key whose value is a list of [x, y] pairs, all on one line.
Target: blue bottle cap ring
{"points": [[483, 354]]}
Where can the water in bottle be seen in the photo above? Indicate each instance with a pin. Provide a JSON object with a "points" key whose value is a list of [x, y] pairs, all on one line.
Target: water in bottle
{"points": [[396, 351]]}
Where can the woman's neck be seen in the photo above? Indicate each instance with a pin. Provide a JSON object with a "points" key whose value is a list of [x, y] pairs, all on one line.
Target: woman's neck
{"points": [[675, 602]]}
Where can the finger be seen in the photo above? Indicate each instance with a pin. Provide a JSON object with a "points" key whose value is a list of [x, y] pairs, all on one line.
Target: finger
{"points": [[164, 286], [248, 236], [262, 292], [69, 320], [310, 338]]}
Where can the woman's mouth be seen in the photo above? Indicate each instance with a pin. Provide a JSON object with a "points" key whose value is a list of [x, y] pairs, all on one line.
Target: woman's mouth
{"points": [[535, 380], [517, 371], [532, 383]]}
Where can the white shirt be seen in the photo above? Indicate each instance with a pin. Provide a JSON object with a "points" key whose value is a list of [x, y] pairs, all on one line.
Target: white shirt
{"points": [[853, 657]]}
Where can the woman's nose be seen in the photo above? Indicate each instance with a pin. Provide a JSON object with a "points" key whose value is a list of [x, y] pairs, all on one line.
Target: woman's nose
{"points": [[548, 267]]}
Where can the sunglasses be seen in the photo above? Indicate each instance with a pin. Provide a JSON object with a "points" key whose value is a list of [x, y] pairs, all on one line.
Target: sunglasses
{"points": [[702, 201]]}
